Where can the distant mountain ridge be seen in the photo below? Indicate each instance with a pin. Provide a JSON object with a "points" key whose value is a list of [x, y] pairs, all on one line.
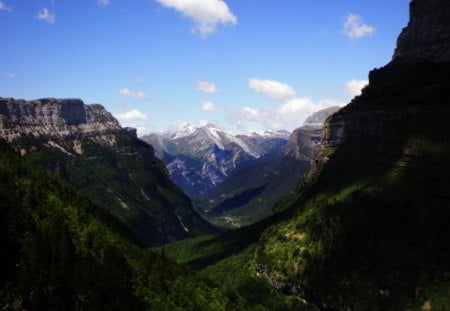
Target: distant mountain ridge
{"points": [[86, 145], [200, 158]]}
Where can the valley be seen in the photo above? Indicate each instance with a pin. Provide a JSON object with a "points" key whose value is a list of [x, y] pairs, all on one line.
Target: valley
{"points": [[348, 211]]}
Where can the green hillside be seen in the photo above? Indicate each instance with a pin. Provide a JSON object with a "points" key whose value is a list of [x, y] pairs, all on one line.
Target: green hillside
{"points": [[61, 251]]}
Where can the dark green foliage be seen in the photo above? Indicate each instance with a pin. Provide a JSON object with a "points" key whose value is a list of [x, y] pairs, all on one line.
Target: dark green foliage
{"points": [[61, 251]]}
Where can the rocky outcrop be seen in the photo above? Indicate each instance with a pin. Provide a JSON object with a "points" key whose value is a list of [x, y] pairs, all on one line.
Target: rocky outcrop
{"points": [[55, 118], [306, 142], [318, 118], [427, 36]]}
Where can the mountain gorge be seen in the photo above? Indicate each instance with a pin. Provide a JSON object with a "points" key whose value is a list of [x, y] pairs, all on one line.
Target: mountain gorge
{"points": [[86, 146], [351, 211], [251, 193]]}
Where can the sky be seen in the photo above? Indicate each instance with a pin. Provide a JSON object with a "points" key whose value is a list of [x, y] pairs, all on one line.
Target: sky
{"points": [[246, 66]]}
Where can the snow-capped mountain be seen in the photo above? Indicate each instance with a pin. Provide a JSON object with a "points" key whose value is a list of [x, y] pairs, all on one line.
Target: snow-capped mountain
{"points": [[180, 131], [200, 158]]}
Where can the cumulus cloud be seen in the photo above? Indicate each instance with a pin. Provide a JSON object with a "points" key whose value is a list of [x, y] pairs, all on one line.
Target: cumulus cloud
{"points": [[209, 106], [132, 115], [138, 94], [289, 114], [355, 28], [206, 14], [206, 87], [103, 2], [46, 16], [354, 87], [272, 88], [4, 7], [250, 113]]}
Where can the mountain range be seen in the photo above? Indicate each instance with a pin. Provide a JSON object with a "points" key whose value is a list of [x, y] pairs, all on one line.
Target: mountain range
{"points": [[200, 158]]}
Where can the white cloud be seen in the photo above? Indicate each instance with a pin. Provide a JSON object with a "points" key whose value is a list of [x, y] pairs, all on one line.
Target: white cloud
{"points": [[250, 113], [272, 88], [46, 16], [206, 87], [297, 108], [138, 94], [206, 14], [103, 2], [4, 7], [289, 115], [209, 106], [354, 27], [131, 115], [354, 87], [125, 92]]}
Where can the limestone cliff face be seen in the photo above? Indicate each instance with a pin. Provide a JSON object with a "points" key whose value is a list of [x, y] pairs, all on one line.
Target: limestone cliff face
{"points": [[306, 142], [57, 119], [427, 36]]}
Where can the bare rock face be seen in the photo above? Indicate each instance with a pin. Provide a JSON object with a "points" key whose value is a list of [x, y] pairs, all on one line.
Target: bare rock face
{"points": [[305, 143], [56, 119], [427, 36], [317, 119]]}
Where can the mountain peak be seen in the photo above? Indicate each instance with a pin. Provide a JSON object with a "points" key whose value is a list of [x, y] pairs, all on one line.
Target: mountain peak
{"points": [[211, 126], [427, 36], [180, 131]]}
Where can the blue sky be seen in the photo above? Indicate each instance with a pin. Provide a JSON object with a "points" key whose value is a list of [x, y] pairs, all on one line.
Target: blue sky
{"points": [[244, 65]]}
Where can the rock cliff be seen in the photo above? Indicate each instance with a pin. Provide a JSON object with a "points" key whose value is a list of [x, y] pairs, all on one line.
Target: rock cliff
{"points": [[427, 36], [58, 120], [306, 142]]}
